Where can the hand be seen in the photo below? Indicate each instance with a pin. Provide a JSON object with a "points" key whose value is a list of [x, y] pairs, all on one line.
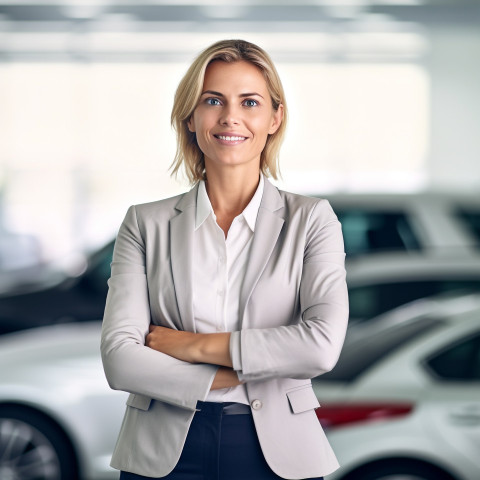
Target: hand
{"points": [[176, 343]]}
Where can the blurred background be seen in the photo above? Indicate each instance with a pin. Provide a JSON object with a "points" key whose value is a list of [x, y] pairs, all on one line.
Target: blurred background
{"points": [[384, 104]]}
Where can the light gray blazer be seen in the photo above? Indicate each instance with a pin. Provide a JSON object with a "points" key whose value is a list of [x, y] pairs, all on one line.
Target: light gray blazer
{"points": [[294, 312]]}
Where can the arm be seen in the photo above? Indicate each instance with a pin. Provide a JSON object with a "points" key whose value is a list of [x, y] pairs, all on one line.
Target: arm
{"points": [[225, 378], [197, 348], [312, 346], [130, 365], [191, 347]]}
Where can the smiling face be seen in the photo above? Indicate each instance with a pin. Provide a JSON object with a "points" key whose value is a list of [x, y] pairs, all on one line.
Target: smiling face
{"points": [[234, 115]]}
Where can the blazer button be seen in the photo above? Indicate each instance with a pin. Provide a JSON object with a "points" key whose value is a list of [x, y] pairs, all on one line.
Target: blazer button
{"points": [[256, 404]]}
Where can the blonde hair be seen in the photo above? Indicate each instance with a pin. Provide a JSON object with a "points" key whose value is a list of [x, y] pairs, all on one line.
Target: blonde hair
{"points": [[188, 94]]}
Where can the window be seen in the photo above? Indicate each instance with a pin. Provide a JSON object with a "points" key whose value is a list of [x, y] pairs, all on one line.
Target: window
{"points": [[366, 232], [471, 218], [371, 300], [459, 362]]}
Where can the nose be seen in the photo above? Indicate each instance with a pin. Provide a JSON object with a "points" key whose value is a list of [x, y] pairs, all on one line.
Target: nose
{"points": [[230, 115]]}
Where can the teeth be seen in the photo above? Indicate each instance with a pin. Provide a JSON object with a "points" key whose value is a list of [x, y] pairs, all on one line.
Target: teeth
{"points": [[230, 139]]}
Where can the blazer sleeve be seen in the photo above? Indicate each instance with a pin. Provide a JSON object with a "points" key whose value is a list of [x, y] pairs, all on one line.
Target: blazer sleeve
{"points": [[129, 365], [312, 346]]}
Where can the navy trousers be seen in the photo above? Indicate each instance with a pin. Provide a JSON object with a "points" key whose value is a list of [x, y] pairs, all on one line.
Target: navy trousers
{"points": [[219, 447]]}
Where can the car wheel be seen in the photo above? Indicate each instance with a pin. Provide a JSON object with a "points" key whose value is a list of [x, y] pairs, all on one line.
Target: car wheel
{"points": [[396, 469], [33, 447]]}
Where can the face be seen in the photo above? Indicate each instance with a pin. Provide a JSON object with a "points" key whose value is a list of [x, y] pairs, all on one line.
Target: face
{"points": [[234, 115]]}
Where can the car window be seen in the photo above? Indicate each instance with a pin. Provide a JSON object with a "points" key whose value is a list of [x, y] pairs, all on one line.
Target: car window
{"points": [[458, 362], [371, 300], [366, 231], [371, 345], [471, 218]]}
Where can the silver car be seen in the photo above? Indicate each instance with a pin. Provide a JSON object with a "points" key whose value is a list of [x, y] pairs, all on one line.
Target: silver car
{"points": [[58, 417], [403, 401], [378, 283], [429, 222]]}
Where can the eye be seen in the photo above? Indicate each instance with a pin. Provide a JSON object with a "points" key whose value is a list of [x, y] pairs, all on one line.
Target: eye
{"points": [[212, 101], [250, 102]]}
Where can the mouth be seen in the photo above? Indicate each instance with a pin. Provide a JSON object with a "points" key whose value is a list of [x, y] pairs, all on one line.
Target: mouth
{"points": [[230, 139]]}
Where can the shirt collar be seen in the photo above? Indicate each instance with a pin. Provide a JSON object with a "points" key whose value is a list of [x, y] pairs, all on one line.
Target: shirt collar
{"points": [[251, 210], [204, 207]]}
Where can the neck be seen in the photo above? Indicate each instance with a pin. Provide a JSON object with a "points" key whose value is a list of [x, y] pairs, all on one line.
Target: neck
{"points": [[231, 191]]}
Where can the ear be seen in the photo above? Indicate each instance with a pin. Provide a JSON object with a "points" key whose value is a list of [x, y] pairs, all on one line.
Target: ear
{"points": [[191, 124], [277, 118]]}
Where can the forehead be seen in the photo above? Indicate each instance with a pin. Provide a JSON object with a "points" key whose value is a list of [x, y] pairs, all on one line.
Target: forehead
{"points": [[241, 75]]}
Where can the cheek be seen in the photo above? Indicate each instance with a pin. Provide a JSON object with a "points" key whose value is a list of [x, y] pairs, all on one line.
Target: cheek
{"points": [[201, 142], [262, 126], [202, 136]]}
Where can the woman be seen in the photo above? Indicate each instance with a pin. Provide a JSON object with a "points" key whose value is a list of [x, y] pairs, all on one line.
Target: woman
{"points": [[224, 302]]}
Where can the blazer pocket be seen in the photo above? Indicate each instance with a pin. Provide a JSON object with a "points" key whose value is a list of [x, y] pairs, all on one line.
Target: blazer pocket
{"points": [[139, 401], [302, 399]]}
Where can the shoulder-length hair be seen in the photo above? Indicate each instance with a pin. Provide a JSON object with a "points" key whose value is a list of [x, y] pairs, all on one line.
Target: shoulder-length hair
{"points": [[188, 94]]}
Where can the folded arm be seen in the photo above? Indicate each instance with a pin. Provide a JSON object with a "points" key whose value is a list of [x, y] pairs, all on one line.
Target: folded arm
{"points": [[191, 347], [304, 350], [181, 367]]}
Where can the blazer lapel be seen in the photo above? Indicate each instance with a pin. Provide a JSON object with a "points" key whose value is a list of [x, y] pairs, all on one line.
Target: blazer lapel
{"points": [[267, 229], [181, 247]]}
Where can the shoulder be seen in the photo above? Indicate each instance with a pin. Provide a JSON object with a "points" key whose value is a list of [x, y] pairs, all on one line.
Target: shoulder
{"points": [[159, 207], [313, 219], [166, 208], [299, 201], [314, 209], [145, 216]]}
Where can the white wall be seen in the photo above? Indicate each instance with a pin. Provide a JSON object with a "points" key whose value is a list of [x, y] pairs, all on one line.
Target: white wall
{"points": [[454, 66]]}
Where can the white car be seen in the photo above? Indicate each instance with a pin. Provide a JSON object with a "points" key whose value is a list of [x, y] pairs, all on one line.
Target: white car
{"points": [[378, 283], [402, 247], [58, 417], [428, 222], [403, 401]]}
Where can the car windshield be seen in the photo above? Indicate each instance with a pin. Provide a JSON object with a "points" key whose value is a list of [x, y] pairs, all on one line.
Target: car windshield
{"points": [[367, 344]]}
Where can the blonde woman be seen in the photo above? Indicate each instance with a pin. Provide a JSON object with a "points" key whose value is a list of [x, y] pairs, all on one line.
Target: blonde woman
{"points": [[225, 301]]}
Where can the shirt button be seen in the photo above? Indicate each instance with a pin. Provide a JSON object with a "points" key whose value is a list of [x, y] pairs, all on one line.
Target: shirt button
{"points": [[256, 404], [220, 292]]}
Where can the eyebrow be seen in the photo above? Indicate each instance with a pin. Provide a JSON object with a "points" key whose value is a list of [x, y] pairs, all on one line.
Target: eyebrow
{"points": [[218, 94]]}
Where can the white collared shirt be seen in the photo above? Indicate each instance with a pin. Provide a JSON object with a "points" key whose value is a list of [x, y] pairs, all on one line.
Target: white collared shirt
{"points": [[219, 266]]}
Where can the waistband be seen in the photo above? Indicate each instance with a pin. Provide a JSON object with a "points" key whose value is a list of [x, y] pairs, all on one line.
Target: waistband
{"points": [[225, 408]]}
